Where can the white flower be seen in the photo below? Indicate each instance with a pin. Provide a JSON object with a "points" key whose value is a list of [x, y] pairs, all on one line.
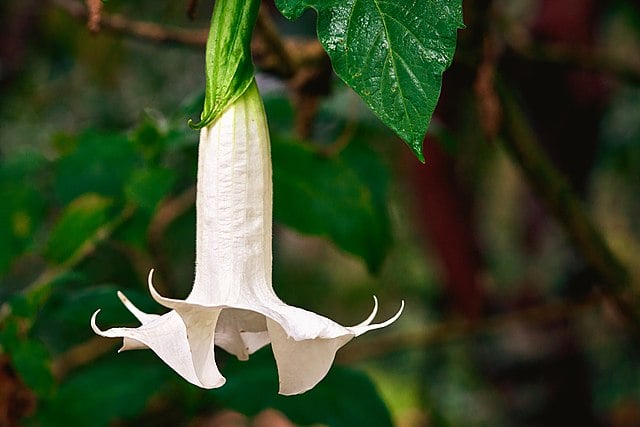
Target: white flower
{"points": [[232, 304]]}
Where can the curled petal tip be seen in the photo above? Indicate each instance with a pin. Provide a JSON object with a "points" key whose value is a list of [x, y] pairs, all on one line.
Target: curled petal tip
{"points": [[167, 302], [392, 319], [369, 319], [361, 329], [139, 314], [156, 296], [217, 384], [122, 297], [94, 326], [399, 310]]}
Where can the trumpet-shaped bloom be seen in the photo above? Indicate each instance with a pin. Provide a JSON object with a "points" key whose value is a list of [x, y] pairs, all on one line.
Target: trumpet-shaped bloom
{"points": [[232, 303]]}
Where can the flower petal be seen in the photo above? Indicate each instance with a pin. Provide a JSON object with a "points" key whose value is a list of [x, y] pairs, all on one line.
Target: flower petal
{"points": [[302, 364], [166, 335], [305, 344], [241, 332]]}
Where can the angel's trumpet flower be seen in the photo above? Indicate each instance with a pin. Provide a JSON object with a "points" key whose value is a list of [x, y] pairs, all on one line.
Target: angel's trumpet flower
{"points": [[232, 304]]}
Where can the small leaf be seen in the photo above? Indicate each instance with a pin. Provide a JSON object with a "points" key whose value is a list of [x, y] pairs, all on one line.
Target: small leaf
{"points": [[340, 197], [147, 187], [392, 53], [149, 137], [77, 225]]}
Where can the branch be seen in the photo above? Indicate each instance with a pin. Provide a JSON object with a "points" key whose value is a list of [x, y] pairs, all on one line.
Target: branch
{"points": [[144, 30], [271, 43], [520, 141], [372, 348], [80, 355], [169, 211], [581, 57], [283, 57], [94, 10], [303, 63]]}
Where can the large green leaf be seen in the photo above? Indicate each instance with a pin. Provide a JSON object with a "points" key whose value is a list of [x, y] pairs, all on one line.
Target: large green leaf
{"points": [[340, 197], [344, 398], [392, 53]]}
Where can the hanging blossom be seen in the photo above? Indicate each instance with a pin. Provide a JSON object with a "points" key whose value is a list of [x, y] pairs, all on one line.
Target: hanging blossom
{"points": [[232, 304]]}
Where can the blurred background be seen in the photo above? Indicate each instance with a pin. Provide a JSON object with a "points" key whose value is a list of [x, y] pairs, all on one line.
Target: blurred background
{"points": [[515, 247]]}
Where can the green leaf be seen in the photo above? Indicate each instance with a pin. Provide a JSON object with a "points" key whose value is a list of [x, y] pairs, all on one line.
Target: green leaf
{"points": [[341, 197], [150, 137], [344, 398], [101, 163], [27, 304], [22, 207], [229, 68], [96, 397], [64, 319], [76, 226], [392, 53], [147, 187]]}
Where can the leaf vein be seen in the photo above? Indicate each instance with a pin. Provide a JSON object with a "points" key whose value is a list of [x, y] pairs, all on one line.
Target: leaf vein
{"points": [[390, 57]]}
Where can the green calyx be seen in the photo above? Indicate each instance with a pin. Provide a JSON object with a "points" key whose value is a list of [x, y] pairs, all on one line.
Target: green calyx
{"points": [[229, 68]]}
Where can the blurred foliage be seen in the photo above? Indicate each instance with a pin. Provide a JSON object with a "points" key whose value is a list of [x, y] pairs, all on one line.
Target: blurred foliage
{"points": [[341, 196], [96, 154], [344, 398], [106, 187]]}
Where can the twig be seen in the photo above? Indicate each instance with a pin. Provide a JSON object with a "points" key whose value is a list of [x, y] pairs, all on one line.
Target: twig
{"points": [[87, 248], [282, 57], [94, 8], [191, 9], [144, 30], [520, 141], [581, 57], [282, 61], [391, 342], [311, 82], [487, 100], [168, 212], [82, 252], [80, 355]]}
